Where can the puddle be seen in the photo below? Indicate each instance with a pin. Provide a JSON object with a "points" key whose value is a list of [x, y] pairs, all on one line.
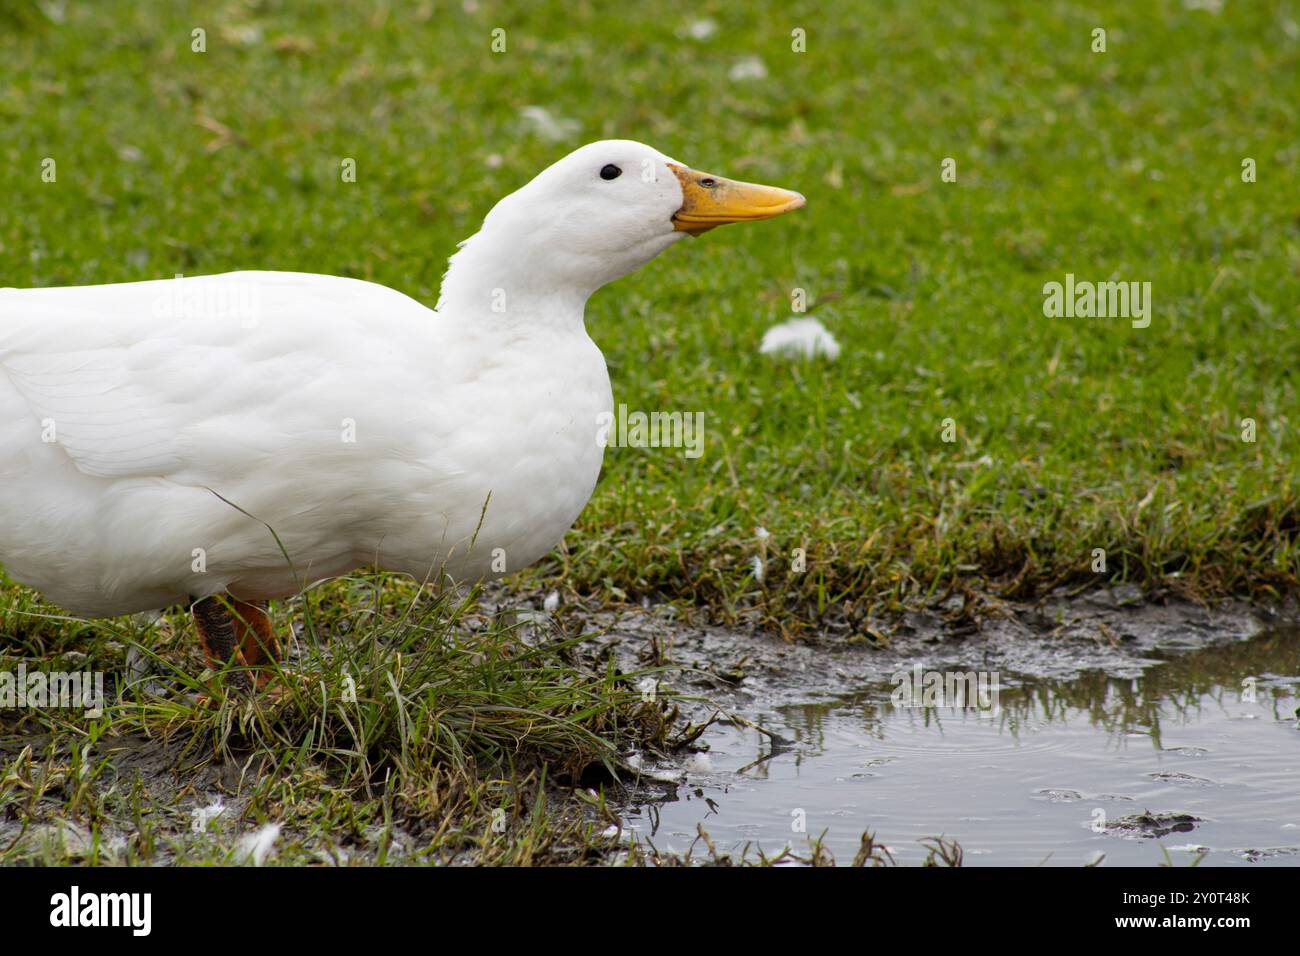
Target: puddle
{"points": [[1192, 751]]}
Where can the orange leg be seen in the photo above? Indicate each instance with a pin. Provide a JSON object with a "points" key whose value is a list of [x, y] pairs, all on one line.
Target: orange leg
{"points": [[219, 636], [237, 634], [257, 641]]}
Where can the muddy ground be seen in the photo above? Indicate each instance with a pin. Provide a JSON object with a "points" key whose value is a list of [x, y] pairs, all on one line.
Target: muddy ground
{"points": [[1108, 630], [728, 675]]}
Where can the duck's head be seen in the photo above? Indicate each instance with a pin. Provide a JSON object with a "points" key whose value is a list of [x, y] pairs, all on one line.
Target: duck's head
{"points": [[605, 210]]}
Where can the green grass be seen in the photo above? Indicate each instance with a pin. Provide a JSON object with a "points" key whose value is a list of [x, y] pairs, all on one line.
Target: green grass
{"points": [[1071, 434], [424, 730]]}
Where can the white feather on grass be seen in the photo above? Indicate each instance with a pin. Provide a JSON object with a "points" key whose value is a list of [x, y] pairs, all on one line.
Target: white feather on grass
{"points": [[255, 847], [800, 338], [701, 29], [555, 129], [748, 68], [201, 817]]}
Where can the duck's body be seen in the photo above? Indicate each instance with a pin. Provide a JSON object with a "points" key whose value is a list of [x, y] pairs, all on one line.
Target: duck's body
{"points": [[228, 439], [361, 426]]}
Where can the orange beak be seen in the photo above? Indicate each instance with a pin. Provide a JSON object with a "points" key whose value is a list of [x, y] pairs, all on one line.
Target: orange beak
{"points": [[709, 201]]}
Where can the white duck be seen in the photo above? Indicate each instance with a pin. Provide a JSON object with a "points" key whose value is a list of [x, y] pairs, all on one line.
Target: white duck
{"points": [[153, 434]]}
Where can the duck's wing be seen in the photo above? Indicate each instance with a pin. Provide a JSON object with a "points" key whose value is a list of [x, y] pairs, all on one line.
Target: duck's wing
{"points": [[190, 379], [109, 421]]}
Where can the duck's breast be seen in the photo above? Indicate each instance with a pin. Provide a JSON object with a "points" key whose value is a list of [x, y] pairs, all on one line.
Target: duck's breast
{"points": [[517, 464]]}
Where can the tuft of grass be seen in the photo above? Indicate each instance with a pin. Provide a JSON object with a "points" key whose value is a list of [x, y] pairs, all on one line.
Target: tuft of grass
{"points": [[702, 851], [427, 730]]}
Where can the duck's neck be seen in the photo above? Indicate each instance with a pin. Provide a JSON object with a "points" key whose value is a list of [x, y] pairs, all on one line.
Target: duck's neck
{"points": [[500, 283]]}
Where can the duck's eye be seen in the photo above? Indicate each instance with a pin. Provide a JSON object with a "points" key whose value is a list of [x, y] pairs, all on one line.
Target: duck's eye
{"points": [[611, 172]]}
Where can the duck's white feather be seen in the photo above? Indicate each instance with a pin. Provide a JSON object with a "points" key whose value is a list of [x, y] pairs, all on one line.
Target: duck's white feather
{"points": [[358, 424]]}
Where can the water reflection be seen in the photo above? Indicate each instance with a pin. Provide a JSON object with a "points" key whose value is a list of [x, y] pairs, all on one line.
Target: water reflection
{"points": [[1264, 670], [1206, 739]]}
